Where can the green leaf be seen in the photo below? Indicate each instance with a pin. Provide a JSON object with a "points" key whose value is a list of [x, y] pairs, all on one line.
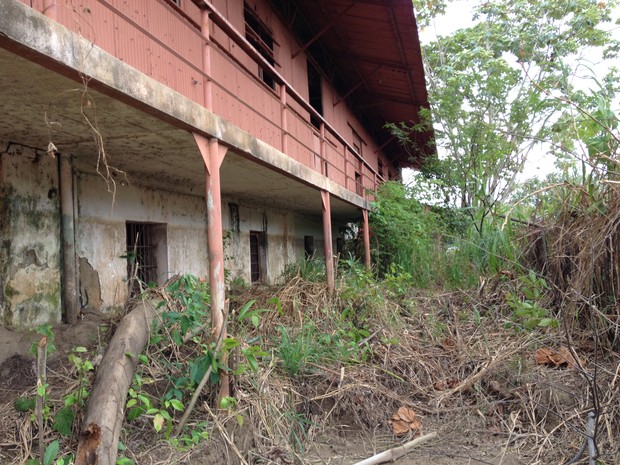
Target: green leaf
{"points": [[63, 421], [24, 404], [245, 308], [124, 461], [51, 451], [158, 422], [80, 349], [134, 413], [176, 404]]}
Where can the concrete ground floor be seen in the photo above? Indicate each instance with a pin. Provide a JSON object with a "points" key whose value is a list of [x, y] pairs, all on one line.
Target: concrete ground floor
{"points": [[121, 221]]}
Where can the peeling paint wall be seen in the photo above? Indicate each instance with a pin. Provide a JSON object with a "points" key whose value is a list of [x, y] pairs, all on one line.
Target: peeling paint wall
{"points": [[30, 238], [30, 276], [284, 233], [101, 237], [101, 232]]}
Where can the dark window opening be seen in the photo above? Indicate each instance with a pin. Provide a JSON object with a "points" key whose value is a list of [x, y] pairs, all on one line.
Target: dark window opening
{"points": [[309, 246], [260, 36], [380, 168], [358, 143], [146, 253], [359, 187], [257, 256], [315, 94]]}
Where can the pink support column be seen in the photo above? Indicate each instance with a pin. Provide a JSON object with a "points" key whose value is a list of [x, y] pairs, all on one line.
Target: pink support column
{"points": [[206, 60], [213, 155], [283, 119], [327, 237], [322, 150], [50, 9], [366, 239]]}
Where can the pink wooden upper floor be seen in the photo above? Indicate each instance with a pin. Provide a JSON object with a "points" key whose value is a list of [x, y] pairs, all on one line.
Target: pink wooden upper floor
{"points": [[222, 71]]}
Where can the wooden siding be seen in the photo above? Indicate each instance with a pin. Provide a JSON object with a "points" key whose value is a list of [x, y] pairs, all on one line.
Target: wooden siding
{"points": [[164, 42]]}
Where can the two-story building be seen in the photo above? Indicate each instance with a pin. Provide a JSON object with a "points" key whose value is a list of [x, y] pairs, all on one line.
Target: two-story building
{"points": [[195, 135]]}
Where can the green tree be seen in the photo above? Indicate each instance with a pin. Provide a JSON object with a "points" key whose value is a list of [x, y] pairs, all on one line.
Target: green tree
{"points": [[505, 85]]}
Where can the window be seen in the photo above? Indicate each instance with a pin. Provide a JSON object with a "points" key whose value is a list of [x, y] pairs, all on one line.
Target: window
{"points": [[309, 246], [257, 256], [358, 143], [380, 168], [260, 36], [315, 94], [359, 187], [147, 257]]}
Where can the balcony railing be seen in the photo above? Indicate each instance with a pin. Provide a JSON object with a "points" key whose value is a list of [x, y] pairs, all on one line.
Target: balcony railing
{"points": [[165, 42]]}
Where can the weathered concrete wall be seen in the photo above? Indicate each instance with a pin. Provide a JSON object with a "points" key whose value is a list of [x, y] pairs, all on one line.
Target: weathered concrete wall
{"points": [[101, 234], [30, 276], [284, 233], [30, 240]]}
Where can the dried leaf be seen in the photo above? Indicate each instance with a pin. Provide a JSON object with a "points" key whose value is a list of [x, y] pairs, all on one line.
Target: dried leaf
{"points": [[546, 356], [449, 344], [447, 383], [404, 421]]}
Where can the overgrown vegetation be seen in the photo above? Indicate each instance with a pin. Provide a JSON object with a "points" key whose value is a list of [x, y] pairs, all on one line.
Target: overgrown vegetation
{"points": [[486, 294]]}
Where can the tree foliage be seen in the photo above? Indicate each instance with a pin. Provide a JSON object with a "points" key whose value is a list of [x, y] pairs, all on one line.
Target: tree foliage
{"points": [[510, 82]]}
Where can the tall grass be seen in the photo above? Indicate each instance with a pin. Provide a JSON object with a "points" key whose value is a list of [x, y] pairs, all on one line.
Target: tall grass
{"points": [[437, 247]]}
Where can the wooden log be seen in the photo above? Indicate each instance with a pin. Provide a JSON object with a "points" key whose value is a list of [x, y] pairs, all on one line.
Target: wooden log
{"points": [[105, 412], [394, 454]]}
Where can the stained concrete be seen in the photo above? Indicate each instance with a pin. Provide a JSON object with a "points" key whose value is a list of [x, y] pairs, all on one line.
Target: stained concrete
{"points": [[30, 238]]}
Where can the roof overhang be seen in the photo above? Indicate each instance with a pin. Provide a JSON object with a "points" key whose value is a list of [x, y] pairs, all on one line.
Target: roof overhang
{"points": [[370, 51]]}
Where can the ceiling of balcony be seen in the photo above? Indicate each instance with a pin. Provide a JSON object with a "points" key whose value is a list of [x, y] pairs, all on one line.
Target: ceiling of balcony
{"points": [[371, 51], [41, 106]]}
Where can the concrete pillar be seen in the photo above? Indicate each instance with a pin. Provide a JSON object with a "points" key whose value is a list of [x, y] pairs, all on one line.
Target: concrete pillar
{"points": [[366, 239], [69, 261], [213, 156], [327, 237], [206, 60]]}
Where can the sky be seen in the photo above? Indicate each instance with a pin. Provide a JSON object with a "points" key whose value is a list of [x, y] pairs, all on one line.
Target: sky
{"points": [[459, 15]]}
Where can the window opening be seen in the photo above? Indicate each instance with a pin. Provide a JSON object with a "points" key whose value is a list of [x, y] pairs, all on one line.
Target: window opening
{"points": [[257, 256], [359, 187], [380, 168], [315, 94], [309, 246], [260, 36], [358, 143], [146, 253]]}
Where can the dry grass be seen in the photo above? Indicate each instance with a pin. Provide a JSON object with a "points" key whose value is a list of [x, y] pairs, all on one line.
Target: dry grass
{"points": [[465, 374]]}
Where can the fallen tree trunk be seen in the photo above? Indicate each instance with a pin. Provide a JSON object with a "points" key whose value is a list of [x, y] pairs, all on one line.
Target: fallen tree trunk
{"points": [[98, 444]]}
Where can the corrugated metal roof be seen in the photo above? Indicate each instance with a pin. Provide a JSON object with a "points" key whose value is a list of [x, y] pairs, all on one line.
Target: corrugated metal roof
{"points": [[373, 49]]}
